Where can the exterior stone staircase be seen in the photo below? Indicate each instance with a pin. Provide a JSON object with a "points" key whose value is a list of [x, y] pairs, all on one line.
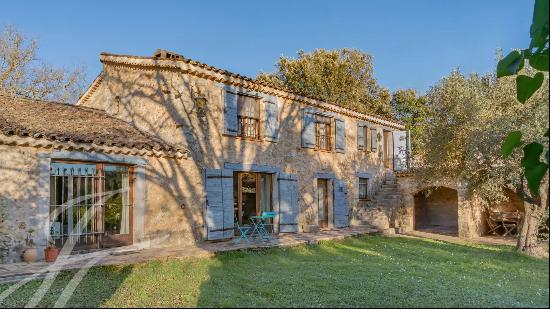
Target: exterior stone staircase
{"points": [[380, 211]]}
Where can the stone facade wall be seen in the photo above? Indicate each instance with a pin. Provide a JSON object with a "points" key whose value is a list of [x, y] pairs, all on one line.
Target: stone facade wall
{"points": [[174, 193], [172, 189], [159, 102], [20, 186]]}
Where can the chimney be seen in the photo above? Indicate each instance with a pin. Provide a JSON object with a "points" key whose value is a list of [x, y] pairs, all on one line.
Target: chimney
{"points": [[164, 54]]}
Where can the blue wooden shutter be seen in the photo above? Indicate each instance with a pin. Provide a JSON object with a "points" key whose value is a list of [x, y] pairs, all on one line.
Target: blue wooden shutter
{"points": [[271, 116], [373, 139], [339, 135], [288, 203], [360, 136], [341, 209], [400, 150], [230, 121], [219, 204], [308, 129]]}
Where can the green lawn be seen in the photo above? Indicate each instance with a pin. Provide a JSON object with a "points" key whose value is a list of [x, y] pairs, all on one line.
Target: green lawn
{"points": [[359, 272]]}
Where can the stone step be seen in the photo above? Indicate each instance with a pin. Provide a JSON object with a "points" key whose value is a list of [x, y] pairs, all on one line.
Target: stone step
{"points": [[390, 194], [382, 200], [361, 222], [387, 204]]}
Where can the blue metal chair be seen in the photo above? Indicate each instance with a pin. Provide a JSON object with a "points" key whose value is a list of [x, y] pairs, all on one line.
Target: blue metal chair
{"points": [[243, 230], [269, 227]]}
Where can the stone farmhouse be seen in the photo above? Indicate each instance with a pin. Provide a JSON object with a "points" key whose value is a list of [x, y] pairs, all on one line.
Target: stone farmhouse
{"points": [[168, 149]]}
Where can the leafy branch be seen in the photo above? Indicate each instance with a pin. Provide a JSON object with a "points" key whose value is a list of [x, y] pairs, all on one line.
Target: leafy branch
{"points": [[537, 57]]}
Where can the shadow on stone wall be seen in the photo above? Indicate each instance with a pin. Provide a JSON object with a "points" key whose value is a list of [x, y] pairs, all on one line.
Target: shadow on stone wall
{"points": [[20, 189], [436, 210]]}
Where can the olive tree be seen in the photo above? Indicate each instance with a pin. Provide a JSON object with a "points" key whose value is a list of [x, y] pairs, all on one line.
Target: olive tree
{"points": [[344, 77], [411, 109], [21, 74], [468, 119]]}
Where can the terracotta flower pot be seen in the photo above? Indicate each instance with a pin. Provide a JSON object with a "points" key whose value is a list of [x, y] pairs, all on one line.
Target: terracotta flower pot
{"points": [[51, 254], [30, 255]]}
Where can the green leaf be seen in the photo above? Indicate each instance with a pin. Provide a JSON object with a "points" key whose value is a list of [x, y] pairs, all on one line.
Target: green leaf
{"points": [[539, 61], [539, 26], [527, 86], [534, 169], [512, 141], [531, 155], [511, 64], [534, 176]]}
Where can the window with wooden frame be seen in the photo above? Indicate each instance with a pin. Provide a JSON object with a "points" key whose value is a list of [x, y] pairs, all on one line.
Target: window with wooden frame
{"points": [[363, 189], [91, 204], [323, 132], [248, 117]]}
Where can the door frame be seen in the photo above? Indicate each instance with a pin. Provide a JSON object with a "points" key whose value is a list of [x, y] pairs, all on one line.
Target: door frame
{"points": [[325, 222], [120, 240], [259, 192], [329, 177]]}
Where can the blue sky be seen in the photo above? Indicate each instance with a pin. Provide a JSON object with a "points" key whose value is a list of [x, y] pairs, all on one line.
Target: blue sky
{"points": [[414, 43]]}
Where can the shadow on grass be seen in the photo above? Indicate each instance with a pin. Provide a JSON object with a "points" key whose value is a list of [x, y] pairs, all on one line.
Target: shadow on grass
{"points": [[95, 289], [376, 271], [371, 271]]}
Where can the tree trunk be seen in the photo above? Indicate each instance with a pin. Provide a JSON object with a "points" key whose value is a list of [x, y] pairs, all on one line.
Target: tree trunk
{"points": [[529, 228], [527, 240]]}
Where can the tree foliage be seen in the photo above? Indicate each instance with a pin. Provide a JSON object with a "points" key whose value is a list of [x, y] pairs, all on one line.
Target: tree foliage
{"points": [[411, 109], [536, 55], [344, 77], [469, 117], [21, 74]]}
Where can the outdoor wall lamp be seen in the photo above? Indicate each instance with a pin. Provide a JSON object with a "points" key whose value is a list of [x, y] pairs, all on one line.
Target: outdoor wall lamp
{"points": [[198, 96]]}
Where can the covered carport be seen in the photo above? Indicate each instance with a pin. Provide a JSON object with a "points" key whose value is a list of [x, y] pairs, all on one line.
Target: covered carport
{"points": [[436, 210]]}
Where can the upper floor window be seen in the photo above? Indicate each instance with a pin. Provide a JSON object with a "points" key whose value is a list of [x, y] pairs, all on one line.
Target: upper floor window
{"points": [[363, 188], [248, 117], [322, 125]]}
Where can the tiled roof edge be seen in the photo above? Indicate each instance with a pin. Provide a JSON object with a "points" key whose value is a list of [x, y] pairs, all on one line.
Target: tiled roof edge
{"points": [[223, 76]]}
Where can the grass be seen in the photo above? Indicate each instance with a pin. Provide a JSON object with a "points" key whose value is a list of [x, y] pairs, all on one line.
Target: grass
{"points": [[371, 271]]}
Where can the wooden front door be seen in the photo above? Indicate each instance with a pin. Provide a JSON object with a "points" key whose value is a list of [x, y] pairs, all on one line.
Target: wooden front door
{"points": [[322, 202]]}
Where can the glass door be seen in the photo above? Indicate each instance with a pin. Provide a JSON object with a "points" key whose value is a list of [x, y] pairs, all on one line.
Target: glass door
{"points": [[253, 193], [91, 204], [117, 214]]}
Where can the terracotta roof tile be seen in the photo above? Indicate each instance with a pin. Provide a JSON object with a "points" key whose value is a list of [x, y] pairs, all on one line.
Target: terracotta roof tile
{"points": [[64, 122], [183, 59]]}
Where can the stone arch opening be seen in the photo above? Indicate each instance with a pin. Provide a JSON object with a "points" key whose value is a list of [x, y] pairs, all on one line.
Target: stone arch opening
{"points": [[436, 210]]}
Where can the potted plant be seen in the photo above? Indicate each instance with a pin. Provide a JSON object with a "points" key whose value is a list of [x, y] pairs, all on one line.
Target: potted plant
{"points": [[51, 252], [30, 253]]}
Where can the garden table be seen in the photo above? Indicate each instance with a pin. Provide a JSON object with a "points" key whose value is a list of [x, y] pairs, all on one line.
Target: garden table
{"points": [[259, 226]]}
